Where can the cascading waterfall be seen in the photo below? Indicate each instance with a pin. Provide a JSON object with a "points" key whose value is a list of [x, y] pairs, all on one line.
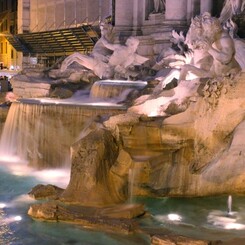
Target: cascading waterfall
{"points": [[41, 131], [41, 134], [38, 134], [9, 135], [116, 90]]}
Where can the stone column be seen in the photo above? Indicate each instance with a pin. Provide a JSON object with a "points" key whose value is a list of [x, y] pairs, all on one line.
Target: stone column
{"points": [[129, 15], [23, 15], [124, 13], [139, 9], [176, 10], [206, 6]]}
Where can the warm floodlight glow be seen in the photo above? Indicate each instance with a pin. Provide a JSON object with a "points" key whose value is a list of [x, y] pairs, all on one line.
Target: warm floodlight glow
{"points": [[174, 217], [17, 218], [153, 114], [7, 158], [12, 219], [2, 205], [225, 221], [58, 177], [14, 164], [234, 226]]}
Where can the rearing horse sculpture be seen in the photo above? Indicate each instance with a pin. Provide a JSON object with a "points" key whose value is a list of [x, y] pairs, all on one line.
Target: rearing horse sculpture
{"points": [[231, 8]]}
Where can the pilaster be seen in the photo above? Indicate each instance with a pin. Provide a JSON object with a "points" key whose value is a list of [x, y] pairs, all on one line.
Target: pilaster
{"points": [[206, 6], [129, 21], [23, 15]]}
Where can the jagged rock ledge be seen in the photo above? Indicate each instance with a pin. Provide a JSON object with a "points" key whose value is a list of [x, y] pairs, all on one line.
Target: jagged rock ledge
{"points": [[175, 240], [122, 218], [118, 218]]}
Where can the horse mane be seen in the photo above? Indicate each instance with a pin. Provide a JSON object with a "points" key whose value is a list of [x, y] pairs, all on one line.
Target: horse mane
{"points": [[226, 12], [231, 8], [243, 6]]}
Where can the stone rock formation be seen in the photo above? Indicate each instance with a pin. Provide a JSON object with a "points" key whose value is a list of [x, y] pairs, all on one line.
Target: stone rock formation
{"points": [[194, 141], [98, 187], [45, 192], [92, 159], [186, 140], [113, 219], [38, 82], [168, 239], [185, 152]]}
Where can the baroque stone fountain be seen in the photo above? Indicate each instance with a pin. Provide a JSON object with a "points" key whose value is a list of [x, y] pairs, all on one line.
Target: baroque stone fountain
{"points": [[181, 127]]}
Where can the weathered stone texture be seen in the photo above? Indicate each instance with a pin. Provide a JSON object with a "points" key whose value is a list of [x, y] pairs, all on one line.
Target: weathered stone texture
{"points": [[92, 158]]}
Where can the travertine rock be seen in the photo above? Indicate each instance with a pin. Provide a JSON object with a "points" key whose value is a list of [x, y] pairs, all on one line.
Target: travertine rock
{"points": [[117, 218], [45, 192], [198, 152], [176, 240], [92, 158]]}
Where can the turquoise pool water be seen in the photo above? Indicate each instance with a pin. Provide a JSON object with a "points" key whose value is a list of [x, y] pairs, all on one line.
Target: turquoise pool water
{"points": [[204, 218]]}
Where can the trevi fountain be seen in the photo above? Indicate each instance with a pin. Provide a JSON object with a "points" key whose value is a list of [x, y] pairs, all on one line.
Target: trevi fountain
{"points": [[117, 147]]}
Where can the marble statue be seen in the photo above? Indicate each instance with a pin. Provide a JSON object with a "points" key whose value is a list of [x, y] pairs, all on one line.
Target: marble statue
{"points": [[124, 56], [212, 56], [159, 6], [231, 8], [98, 59], [108, 58], [178, 48]]}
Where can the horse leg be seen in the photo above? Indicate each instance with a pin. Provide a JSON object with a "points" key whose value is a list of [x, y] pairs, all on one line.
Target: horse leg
{"points": [[175, 73], [69, 60], [189, 72], [166, 80]]}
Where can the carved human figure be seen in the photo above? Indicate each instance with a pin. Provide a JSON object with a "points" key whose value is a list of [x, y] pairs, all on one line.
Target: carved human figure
{"points": [[159, 6], [99, 57], [213, 53], [124, 56], [107, 57]]}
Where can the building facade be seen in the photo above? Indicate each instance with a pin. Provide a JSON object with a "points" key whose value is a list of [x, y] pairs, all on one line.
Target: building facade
{"points": [[42, 31], [39, 15], [54, 28], [8, 26]]}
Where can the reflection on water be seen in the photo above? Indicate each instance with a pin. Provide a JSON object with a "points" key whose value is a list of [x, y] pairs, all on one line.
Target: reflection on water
{"points": [[58, 177], [6, 235], [202, 218], [223, 221], [17, 228]]}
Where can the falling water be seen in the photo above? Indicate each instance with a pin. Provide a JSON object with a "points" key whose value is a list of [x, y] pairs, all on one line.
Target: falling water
{"points": [[133, 180], [117, 90], [131, 176], [41, 134], [229, 205], [41, 131]]}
